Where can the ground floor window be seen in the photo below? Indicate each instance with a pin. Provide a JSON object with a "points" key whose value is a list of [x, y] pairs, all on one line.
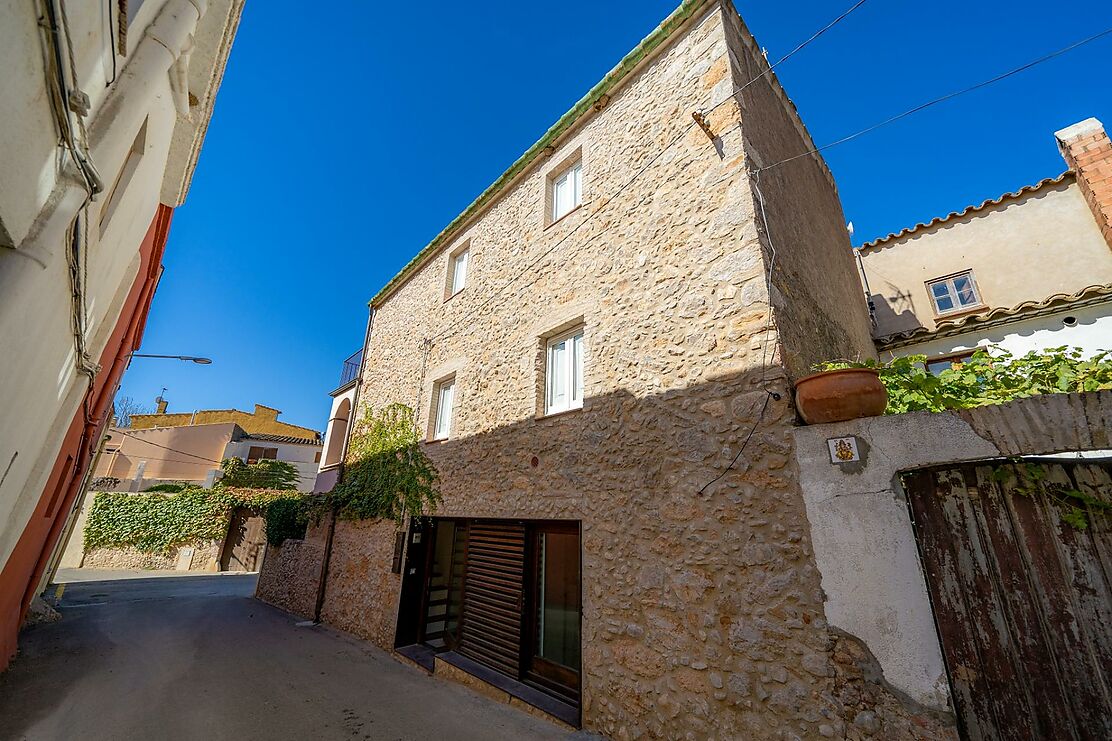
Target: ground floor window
{"points": [[503, 593]]}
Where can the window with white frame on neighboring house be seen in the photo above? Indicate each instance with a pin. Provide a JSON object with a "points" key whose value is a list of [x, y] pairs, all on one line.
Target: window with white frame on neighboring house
{"points": [[443, 396], [954, 293], [457, 270], [564, 372], [567, 190]]}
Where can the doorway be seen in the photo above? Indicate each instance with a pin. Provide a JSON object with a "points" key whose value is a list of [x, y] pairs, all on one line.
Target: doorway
{"points": [[505, 594], [245, 543], [1018, 563]]}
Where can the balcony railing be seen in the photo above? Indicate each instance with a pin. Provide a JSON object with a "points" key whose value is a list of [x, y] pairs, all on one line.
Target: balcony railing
{"points": [[351, 368]]}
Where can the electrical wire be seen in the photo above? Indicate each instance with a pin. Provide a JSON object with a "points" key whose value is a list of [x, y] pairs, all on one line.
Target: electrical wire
{"points": [[111, 42], [943, 98], [814, 36], [172, 450]]}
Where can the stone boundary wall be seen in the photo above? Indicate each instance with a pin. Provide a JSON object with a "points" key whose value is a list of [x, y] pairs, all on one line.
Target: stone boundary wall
{"points": [[290, 573], [206, 557], [862, 534]]}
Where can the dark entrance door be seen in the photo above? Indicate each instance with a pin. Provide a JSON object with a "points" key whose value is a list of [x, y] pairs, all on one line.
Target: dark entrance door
{"points": [[246, 542], [553, 614], [1018, 567], [493, 595]]}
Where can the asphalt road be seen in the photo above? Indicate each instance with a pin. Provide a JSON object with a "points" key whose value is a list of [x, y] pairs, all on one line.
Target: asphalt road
{"points": [[196, 657]]}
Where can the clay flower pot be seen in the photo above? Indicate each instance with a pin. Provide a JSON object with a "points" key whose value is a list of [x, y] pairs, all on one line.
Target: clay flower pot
{"points": [[838, 395]]}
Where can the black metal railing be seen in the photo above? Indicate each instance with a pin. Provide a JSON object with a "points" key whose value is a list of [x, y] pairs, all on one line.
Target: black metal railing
{"points": [[351, 368]]}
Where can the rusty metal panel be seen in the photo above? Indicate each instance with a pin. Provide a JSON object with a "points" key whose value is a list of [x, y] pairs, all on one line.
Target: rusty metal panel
{"points": [[1022, 598]]}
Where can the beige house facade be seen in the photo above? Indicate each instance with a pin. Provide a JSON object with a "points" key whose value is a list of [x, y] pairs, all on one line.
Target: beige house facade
{"points": [[606, 393], [188, 448], [1029, 270]]}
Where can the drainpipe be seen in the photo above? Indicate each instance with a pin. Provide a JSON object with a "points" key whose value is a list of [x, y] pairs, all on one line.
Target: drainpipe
{"points": [[112, 131], [322, 583]]}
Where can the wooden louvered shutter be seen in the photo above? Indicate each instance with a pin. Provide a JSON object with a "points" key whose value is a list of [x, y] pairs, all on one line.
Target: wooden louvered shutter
{"points": [[492, 600]]}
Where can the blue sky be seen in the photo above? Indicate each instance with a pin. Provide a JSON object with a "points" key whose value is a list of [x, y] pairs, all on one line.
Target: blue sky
{"points": [[343, 141]]}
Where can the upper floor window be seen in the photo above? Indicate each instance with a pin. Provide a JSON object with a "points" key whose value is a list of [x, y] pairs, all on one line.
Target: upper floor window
{"points": [[458, 262], [567, 191], [257, 453], [443, 397], [954, 293], [564, 372]]}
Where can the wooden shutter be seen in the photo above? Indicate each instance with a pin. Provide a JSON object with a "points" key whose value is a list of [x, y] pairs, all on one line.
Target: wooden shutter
{"points": [[492, 599]]}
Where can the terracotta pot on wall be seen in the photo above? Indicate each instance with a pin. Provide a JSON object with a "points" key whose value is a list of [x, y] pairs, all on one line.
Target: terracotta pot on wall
{"points": [[838, 395]]}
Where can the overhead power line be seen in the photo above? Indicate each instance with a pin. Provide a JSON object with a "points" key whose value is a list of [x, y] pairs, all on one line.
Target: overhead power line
{"points": [[814, 36], [172, 450], [948, 96]]}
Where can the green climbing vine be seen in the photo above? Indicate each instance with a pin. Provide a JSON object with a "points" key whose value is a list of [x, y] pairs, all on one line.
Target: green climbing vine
{"points": [[156, 522], [386, 474], [1035, 478]]}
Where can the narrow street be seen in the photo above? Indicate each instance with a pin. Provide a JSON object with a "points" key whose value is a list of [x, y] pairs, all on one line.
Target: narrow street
{"points": [[187, 657]]}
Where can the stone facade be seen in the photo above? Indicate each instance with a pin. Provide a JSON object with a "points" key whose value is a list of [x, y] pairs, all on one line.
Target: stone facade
{"points": [[290, 574], [702, 606]]}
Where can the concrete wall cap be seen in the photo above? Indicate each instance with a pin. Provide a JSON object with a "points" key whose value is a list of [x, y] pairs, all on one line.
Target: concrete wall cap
{"points": [[1079, 129]]}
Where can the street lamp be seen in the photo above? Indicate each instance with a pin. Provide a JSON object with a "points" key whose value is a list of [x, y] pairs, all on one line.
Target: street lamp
{"points": [[192, 358]]}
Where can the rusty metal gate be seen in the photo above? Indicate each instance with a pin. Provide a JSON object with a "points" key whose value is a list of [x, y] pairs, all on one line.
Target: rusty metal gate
{"points": [[1018, 559]]}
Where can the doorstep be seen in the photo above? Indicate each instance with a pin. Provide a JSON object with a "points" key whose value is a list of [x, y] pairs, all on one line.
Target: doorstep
{"points": [[497, 686], [419, 654]]}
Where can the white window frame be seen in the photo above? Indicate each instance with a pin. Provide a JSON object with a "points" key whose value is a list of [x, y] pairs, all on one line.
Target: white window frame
{"points": [[444, 402], [570, 367], [457, 278], [572, 176], [950, 284]]}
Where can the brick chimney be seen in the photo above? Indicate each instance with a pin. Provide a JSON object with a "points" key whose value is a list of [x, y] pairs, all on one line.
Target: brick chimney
{"points": [[1088, 152], [160, 405]]}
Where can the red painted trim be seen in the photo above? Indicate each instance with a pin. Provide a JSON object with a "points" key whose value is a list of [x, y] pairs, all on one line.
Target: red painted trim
{"points": [[25, 567]]}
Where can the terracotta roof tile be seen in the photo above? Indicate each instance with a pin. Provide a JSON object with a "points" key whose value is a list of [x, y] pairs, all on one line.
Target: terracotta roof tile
{"points": [[968, 210]]}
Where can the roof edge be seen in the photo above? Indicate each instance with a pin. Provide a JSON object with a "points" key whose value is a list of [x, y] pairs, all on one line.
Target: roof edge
{"points": [[1091, 295], [987, 203], [629, 62]]}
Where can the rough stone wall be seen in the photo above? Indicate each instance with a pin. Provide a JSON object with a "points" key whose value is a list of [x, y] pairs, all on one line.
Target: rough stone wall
{"points": [[702, 612], [290, 573], [820, 310], [361, 590], [206, 557]]}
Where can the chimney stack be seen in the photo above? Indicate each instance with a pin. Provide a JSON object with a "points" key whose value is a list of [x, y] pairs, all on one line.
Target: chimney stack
{"points": [[161, 405], [1088, 152]]}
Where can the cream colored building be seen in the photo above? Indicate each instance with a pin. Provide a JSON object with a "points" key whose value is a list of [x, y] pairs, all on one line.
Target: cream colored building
{"points": [[102, 123], [1029, 270], [600, 350]]}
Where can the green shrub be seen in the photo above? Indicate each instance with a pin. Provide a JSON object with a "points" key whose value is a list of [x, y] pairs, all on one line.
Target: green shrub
{"points": [[265, 474], [285, 519], [986, 378], [169, 487]]}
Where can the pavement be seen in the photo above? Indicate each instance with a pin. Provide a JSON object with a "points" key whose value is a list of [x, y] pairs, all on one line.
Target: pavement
{"points": [[197, 657]]}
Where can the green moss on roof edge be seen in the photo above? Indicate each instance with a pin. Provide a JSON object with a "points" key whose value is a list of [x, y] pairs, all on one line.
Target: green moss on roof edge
{"points": [[649, 44]]}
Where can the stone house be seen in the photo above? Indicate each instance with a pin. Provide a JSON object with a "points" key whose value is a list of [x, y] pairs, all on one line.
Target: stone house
{"points": [[1029, 270], [600, 352]]}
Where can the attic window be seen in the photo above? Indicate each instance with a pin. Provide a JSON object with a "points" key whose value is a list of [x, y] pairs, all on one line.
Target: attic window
{"points": [[954, 293]]}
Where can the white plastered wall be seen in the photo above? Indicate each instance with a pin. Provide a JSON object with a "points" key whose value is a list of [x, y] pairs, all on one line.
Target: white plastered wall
{"points": [[39, 198]]}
